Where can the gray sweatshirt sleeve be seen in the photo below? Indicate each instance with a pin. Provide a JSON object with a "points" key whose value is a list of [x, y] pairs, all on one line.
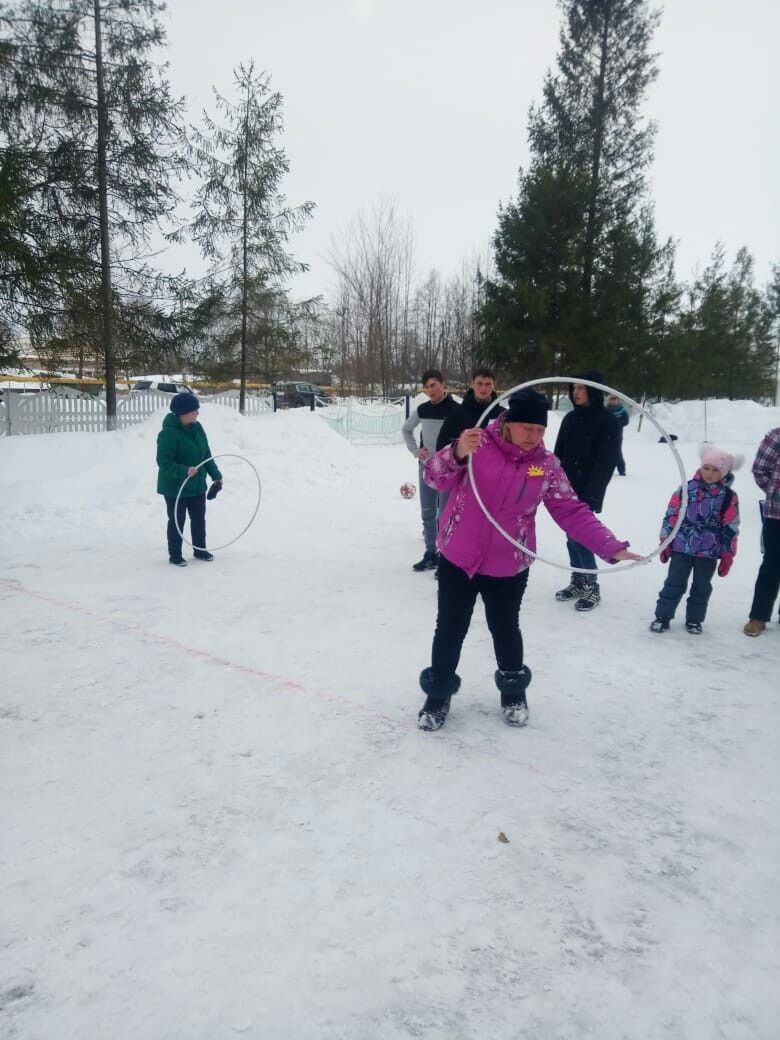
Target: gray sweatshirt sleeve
{"points": [[408, 431]]}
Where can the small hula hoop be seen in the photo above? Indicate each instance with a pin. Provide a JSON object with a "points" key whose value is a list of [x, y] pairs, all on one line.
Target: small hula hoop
{"points": [[211, 458], [625, 566]]}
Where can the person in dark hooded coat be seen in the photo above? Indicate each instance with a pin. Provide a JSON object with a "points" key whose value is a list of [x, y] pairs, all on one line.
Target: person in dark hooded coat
{"points": [[587, 446]]}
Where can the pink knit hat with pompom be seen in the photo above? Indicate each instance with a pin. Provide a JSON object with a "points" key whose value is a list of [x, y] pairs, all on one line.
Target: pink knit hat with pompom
{"points": [[721, 460]]}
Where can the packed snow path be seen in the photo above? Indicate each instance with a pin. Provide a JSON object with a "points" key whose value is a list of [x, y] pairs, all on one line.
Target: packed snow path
{"points": [[220, 819]]}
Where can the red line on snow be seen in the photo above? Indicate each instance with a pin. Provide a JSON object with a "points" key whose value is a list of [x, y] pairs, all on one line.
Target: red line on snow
{"points": [[156, 637], [146, 634]]}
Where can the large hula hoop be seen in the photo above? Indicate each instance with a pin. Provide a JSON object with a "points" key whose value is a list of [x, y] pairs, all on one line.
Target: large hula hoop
{"points": [[211, 458], [626, 565]]}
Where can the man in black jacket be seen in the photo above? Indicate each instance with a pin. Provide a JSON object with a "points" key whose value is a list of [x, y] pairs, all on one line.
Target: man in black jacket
{"points": [[587, 446], [476, 400]]}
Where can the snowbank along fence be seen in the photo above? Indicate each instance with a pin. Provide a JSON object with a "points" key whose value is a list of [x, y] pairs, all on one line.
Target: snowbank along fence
{"points": [[360, 420], [54, 412]]}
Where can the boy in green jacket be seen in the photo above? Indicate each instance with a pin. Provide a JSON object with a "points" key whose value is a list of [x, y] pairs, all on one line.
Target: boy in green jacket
{"points": [[181, 447]]}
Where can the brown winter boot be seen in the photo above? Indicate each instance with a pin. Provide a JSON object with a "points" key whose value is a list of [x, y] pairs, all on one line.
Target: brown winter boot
{"points": [[754, 627]]}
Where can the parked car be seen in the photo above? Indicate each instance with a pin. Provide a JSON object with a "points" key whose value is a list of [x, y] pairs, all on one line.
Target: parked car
{"points": [[164, 388], [298, 394]]}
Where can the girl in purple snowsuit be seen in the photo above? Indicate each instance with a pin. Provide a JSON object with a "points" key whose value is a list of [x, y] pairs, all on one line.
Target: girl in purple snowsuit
{"points": [[707, 539], [514, 473]]}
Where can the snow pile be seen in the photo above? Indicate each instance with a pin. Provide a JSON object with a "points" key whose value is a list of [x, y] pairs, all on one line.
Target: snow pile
{"points": [[740, 423], [101, 477]]}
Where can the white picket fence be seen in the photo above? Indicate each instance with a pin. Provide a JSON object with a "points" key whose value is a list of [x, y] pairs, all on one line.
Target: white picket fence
{"points": [[369, 421], [50, 412]]}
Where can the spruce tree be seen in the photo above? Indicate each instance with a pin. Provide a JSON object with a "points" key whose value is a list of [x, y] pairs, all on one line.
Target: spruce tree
{"points": [[242, 220], [92, 149], [577, 260], [773, 309], [727, 344]]}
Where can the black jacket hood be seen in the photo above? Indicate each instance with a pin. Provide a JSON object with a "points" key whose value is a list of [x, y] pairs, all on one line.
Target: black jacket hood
{"points": [[596, 397]]}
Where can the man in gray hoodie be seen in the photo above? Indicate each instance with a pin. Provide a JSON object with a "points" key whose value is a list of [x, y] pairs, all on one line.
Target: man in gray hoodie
{"points": [[429, 416]]}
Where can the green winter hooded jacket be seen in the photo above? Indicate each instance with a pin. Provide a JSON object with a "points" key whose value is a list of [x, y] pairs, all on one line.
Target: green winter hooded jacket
{"points": [[178, 448]]}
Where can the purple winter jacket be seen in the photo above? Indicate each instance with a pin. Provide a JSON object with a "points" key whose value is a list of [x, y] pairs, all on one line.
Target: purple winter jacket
{"points": [[511, 482]]}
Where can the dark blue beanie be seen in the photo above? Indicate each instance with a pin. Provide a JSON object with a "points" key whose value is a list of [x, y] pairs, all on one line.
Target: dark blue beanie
{"points": [[184, 403], [527, 406]]}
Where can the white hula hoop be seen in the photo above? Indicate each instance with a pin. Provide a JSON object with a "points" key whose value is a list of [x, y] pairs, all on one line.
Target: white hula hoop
{"points": [[211, 458], [626, 565]]}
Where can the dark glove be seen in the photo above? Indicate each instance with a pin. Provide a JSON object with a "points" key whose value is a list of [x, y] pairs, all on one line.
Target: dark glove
{"points": [[214, 490], [665, 555], [725, 565]]}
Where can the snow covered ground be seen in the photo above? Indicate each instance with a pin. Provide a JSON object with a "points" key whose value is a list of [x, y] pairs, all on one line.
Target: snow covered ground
{"points": [[220, 820]]}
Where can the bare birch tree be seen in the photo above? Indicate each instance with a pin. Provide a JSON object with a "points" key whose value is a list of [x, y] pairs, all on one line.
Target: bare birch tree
{"points": [[373, 262]]}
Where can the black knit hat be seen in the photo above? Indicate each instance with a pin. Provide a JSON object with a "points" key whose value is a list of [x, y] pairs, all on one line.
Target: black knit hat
{"points": [[529, 407], [183, 404]]}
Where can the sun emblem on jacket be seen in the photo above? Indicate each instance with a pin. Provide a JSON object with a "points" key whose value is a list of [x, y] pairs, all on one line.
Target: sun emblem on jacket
{"points": [[535, 471]]}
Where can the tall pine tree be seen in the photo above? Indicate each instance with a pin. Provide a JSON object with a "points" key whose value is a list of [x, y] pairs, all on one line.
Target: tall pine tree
{"points": [[243, 222], [579, 272], [726, 343], [92, 151]]}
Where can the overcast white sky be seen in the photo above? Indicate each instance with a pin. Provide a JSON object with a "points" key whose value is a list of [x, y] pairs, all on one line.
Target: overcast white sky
{"points": [[425, 102]]}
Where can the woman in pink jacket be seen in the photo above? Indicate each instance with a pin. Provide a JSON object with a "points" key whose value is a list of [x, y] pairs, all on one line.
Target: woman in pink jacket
{"points": [[514, 472]]}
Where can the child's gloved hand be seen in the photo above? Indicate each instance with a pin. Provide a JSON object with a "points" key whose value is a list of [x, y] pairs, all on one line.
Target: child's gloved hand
{"points": [[214, 490], [665, 555], [725, 565]]}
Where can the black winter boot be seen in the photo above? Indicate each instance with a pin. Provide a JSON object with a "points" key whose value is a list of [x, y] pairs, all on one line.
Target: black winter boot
{"points": [[512, 686], [429, 562], [438, 691], [572, 591], [659, 624], [590, 594]]}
